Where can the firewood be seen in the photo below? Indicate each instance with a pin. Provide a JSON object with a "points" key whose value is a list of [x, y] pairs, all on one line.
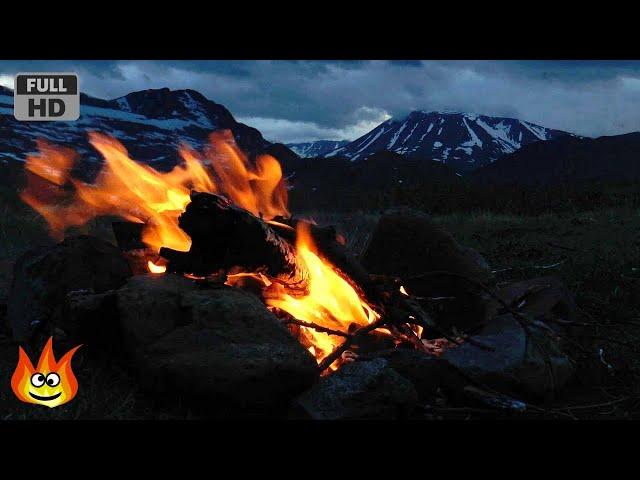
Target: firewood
{"points": [[224, 235]]}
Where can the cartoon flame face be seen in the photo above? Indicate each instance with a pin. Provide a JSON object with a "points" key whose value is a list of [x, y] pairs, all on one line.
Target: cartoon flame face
{"points": [[51, 384]]}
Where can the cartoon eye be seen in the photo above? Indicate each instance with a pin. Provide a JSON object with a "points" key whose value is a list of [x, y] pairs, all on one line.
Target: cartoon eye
{"points": [[37, 379], [53, 379]]}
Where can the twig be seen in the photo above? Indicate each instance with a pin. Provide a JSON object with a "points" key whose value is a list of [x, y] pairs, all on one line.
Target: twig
{"points": [[612, 340], [443, 273], [562, 247], [340, 349], [553, 265], [596, 405], [316, 327]]}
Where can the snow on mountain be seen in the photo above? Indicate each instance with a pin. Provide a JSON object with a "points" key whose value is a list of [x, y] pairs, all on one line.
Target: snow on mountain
{"points": [[151, 124], [319, 148], [463, 141]]}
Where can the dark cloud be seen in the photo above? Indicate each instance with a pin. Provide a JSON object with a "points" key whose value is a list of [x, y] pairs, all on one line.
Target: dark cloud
{"points": [[305, 100]]}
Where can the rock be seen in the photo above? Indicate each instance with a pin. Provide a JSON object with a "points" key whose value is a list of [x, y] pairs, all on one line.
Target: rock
{"points": [[424, 371], [43, 277], [219, 346], [359, 390], [409, 243], [92, 319], [151, 306], [516, 366], [6, 272], [544, 298]]}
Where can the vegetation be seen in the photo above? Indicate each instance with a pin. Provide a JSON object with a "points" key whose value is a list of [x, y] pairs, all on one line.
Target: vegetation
{"points": [[589, 239]]}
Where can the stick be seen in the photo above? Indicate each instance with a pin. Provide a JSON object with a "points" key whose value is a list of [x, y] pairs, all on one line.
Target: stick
{"points": [[340, 349], [316, 327]]}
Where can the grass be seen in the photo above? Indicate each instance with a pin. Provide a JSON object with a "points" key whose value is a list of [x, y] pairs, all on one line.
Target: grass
{"points": [[596, 253]]}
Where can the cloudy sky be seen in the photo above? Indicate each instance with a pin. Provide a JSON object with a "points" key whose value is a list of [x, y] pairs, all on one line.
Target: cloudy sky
{"points": [[293, 101]]}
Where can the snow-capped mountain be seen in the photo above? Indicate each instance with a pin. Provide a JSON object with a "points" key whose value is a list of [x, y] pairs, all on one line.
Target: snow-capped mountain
{"points": [[461, 140], [319, 148], [150, 123]]}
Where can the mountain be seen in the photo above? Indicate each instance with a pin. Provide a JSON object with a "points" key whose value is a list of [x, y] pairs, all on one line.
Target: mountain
{"points": [[463, 141], [150, 123], [567, 160], [319, 148]]}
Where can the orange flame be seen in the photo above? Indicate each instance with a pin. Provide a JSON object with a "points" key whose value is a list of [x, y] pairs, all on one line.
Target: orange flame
{"points": [[331, 302], [51, 383], [139, 193]]}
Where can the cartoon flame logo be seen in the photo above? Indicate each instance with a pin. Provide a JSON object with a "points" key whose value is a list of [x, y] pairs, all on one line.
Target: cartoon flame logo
{"points": [[51, 384]]}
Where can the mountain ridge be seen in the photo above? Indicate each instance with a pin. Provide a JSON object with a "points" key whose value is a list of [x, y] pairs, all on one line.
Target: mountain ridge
{"points": [[317, 148], [151, 123], [464, 141], [567, 160]]}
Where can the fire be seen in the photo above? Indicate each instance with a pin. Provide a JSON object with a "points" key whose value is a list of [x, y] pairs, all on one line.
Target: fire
{"points": [[139, 193], [153, 268], [51, 383], [331, 302]]}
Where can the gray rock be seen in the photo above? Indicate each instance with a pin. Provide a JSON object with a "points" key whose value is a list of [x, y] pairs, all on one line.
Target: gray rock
{"points": [[220, 346], [423, 370], [408, 243], [544, 298], [517, 364], [43, 277], [359, 390]]}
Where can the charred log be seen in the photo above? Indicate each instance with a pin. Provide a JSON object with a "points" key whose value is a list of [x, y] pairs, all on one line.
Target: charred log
{"points": [[224, 236]]}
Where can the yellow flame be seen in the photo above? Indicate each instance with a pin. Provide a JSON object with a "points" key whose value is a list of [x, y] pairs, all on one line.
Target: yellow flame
{"points": [[153, 268], [139, 193], [331, 302]]}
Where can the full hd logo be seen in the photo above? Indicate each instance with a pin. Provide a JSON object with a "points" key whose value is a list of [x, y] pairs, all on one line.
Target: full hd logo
{"points": [[46, 97]]}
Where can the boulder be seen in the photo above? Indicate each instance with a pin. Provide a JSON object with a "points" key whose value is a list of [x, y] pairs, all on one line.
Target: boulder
{"points": [[408, 243], [219, 346], [535, 366], [358, 391], [423, 370], [43, 277], [544, 298]]}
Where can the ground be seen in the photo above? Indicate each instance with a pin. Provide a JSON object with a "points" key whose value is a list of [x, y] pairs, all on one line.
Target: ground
{"points": [[597, 253]]}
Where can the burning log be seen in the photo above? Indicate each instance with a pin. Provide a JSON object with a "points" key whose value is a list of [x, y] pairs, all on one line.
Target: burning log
{"points": [[224, 235]]}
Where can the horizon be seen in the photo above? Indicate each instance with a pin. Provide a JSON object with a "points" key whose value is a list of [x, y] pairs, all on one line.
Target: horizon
{"points": [[307, 101]]}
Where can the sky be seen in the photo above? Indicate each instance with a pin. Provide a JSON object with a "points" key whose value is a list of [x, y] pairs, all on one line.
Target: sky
{"points": [[306, 100]]}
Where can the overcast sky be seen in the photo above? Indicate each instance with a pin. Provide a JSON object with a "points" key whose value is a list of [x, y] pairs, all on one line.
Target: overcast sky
{"points": [[293, 101]]}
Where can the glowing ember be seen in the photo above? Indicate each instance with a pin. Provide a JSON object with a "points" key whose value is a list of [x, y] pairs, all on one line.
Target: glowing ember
{"points": [[153, 268], [139, 193]]}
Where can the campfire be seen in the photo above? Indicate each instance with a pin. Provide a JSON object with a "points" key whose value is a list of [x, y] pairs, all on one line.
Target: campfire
{"points": [[221, 217], [217, 291]]}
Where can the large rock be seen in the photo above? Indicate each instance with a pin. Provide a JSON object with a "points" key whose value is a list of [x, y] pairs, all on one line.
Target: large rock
{"points": [[407, 243], [544, 298], [357, 391], [43, 277], [220, 346], [534, 366], [423, 370]]}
